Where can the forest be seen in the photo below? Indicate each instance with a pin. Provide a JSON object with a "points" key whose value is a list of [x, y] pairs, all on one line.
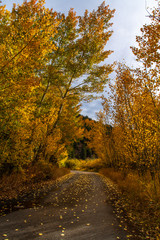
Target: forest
{"points": [[51, 63]]}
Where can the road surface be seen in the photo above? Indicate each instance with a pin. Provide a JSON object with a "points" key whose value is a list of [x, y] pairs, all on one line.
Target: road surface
{"points": [[75, 210]]}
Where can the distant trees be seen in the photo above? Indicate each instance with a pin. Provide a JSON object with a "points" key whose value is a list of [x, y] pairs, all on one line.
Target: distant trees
{"points": [[99, 138], [80, 149], [49, 62]]}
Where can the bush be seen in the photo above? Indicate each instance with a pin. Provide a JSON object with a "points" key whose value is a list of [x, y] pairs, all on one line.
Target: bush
{"points": [[93, 165], [74, 164], [42, 171], [87, 165]]}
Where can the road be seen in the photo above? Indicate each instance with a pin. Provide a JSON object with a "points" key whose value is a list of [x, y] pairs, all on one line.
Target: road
{"points": [[75, 210]]}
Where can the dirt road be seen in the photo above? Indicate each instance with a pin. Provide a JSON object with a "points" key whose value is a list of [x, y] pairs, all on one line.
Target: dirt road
{"points": [[75, 210]]}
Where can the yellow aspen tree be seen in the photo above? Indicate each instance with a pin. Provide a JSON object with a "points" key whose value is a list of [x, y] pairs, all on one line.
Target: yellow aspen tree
{"points": [[25, 42], [74, 69]]}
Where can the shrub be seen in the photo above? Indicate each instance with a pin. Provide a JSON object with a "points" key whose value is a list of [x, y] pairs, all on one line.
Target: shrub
{"points": [[93, 165], [42, 171], [74, 164]]}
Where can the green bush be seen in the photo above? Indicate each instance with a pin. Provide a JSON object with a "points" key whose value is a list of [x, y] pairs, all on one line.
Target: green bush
{"points": [[73, 164]]}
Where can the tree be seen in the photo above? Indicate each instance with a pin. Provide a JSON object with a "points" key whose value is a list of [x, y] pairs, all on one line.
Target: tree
{"points": [[25, 41], [136, 125], [148, 54], [73, 70], [99, 137], [53, 64], [134, 101]]}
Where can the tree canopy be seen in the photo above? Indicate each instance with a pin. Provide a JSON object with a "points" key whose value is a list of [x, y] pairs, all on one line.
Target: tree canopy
{"points": [[49, 64]]}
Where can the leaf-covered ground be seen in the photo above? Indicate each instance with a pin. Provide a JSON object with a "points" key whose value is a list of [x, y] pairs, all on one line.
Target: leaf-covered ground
{"points": [[22, 194], [76, 208]]}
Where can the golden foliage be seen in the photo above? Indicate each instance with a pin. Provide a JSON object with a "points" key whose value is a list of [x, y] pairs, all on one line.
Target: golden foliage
{"points": [[45, 58]]}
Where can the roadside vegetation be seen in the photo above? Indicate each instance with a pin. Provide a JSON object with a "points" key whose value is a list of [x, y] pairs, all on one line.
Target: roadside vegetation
{"points": [[137, 200], [20, 188], [84, 165]]}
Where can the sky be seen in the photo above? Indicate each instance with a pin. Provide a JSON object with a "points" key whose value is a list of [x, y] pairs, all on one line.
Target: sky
{"points": [[129, 17]]}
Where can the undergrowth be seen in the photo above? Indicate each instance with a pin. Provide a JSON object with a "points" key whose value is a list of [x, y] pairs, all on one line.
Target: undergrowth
{"points": [[16, 183], [139, 199], [85, 165]]}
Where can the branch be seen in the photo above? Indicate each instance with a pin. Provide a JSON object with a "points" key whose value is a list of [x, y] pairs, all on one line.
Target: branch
{"points": [[61, 106], [76, 86], [44, 94], [1, 70], [60, 91]]}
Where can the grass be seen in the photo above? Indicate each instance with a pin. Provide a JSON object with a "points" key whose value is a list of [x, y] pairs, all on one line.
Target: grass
{"points": [[139, 199]]}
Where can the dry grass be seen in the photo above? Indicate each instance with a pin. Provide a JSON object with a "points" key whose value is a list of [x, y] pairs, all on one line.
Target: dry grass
{"points": [[139, 198]]}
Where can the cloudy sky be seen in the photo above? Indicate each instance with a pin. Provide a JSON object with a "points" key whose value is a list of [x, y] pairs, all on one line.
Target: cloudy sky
{"points": [[130, 16]]}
